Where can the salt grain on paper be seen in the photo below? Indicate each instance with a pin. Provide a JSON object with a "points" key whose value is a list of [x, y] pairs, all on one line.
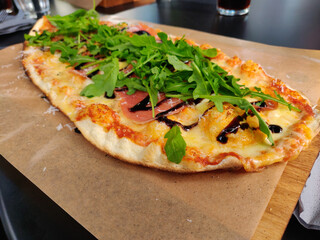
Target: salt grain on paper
{"points": [[22, 76], [6, 66], [44, 169], [51, 110], [20, 54], [70, 126], [59, 127], [189, 220]]}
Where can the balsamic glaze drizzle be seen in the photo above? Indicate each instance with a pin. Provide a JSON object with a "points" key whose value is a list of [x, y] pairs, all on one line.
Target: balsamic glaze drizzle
{"points": [[141, 32], [232, 127], [170, 123], [112, 97], [260, 105], [275, 128], [79, 66], [235, 124], [171, 109], [93, 73], [142, 105]]}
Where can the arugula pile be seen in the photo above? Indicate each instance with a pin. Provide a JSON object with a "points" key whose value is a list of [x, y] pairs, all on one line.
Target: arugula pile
{"points": [[175, 68]]}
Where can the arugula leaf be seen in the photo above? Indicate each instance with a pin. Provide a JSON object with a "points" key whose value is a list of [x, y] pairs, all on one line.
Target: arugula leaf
{"points": [[177, 64], [175, 146], [180, 48], [78, 59], [67, 53], [133, 84], [104, 82], [279, 99], [153, 94], [202, 87], [211, 52]]}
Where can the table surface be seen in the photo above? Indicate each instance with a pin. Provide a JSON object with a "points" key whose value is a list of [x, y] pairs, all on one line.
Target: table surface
{"points": [[291, 23]]}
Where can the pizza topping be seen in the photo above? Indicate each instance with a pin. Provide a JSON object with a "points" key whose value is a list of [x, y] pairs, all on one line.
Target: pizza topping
{"points": [[170, 123], [275, 128], [141, 32], [238, 122], [137, 106], [175, 146], [233, 127], [265, 105]]}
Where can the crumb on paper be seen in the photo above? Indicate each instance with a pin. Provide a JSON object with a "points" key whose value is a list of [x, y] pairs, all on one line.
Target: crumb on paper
{"points": [[59, 127], [44, 169], [51, 110], [157, 199], [287, 76], [189, 220]]}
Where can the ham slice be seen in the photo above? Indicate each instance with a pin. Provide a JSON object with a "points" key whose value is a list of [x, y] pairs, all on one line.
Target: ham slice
{"points": [[143, 27], [138, 108]]}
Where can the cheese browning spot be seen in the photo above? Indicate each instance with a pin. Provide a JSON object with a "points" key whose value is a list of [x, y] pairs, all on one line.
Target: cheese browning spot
{"points": [[109, 120]]}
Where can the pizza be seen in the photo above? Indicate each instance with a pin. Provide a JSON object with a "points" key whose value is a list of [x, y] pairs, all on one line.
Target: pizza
{"points": [[164, 101]]}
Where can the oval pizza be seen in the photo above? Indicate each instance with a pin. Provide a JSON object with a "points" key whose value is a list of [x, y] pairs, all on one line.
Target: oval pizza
{"points": [[164, 101]]}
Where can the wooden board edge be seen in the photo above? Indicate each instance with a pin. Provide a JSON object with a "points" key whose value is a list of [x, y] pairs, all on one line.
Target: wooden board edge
{"points": [[286, 195]]}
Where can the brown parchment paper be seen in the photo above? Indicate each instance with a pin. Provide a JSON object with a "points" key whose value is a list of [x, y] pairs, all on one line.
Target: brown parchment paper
{"points": [[116, 200]]}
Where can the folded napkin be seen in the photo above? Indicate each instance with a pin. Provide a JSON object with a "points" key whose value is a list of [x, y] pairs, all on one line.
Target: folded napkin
{"points": [[308, 208], [16, 23]]}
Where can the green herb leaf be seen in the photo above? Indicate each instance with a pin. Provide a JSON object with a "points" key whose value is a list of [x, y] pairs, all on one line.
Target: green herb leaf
{"points": [[104, 82], [177, 64], [175, 147], [279, 99], [211, 52], [202, 86]]}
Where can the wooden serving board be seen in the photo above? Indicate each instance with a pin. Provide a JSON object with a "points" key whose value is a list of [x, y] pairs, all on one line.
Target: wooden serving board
{"points": [[286, 195]]}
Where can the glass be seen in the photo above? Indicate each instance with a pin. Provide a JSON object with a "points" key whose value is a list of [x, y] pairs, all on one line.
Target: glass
{"points": [[233, 7], [6, 5], [35, 8]]}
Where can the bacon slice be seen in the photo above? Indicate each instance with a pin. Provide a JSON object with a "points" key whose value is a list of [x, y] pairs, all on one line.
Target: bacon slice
{"points": [[164, 107]]}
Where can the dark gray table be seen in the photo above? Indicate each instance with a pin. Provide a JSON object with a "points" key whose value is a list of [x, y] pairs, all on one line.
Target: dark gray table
{"points": [[27, 213]]}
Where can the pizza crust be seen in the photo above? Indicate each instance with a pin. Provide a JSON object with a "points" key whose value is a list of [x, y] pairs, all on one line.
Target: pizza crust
{"points": [[150, 156]]}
